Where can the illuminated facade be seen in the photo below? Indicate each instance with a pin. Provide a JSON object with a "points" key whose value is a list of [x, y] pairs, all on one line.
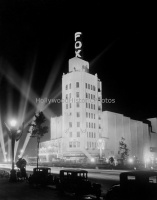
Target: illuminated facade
{"points": [[84, 130], [76, 133]]}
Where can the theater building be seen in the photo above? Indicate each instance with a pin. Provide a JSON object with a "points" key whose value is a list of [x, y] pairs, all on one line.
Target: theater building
{"points": [[84, 130]]}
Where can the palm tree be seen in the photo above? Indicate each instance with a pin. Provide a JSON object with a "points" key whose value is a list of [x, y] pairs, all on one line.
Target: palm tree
{"points": [[37, 130]]}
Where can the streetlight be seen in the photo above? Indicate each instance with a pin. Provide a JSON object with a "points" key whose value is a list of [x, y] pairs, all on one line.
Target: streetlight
{"points": [[14, 134], [13, 123]]}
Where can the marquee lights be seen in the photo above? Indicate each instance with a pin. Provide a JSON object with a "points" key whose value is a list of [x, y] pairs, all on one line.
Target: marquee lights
{"points": [[78, 44]]}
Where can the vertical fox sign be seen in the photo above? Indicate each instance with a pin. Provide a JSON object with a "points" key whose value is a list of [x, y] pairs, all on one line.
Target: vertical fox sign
{"points": [[78, 44]]}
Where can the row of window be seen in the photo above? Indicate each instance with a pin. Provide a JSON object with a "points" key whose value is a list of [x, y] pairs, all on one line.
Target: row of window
{"points": [[87, 86], [91, 145], [74, 144], [92, 106], [77, 134], [70, 124], [88, 105], [90, 96], [90, 115], [77, 95], [69, 86], [90, 125], [70, 106], [91, 135]]}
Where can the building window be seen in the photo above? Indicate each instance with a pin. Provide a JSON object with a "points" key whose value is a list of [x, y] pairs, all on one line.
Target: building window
{"points": [[86, 105], [86, 114], [78, 144], [91, 106], [86, 85], [74, 144], [89, 115], [93, 88], [86, 124], [77, 94], [89, 124], [78, 114], [94, 125], [70, 144], [66, 87], [77, 104], [70, 105], [70, 86], [94, 106], [78, 134], [66, 106], [77, 84], [86, 95], [70, 124], [78, 124], [70, 134], [92, 115]]}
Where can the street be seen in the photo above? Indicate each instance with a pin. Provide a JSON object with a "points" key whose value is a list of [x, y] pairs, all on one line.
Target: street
{"points": [[105, 177]]}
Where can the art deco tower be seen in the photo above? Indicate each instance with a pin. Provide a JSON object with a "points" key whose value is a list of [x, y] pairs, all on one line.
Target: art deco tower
{"points": [[81, 107]]}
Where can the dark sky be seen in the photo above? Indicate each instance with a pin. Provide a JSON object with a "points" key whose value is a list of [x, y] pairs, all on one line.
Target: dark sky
{"points": [[42, 32]]}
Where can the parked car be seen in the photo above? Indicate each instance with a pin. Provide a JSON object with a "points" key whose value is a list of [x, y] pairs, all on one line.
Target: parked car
{"points": [[41, 176], [140, 185], [76, 182]]}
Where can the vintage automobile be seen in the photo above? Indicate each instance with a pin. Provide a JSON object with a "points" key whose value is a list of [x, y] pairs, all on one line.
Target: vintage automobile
{"points": [[41, 176], [76, 182], [140, 185]]}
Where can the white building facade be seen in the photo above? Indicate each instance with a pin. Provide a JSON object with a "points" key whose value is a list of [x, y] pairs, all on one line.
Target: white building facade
{"points": [[84, 130]]}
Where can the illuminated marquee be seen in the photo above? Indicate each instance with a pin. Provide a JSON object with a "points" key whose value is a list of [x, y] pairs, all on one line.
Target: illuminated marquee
{"points": [[78, 44]]}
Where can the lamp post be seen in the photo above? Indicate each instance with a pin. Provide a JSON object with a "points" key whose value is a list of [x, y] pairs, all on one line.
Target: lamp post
{"points": [[13, 131], [14, 135]]}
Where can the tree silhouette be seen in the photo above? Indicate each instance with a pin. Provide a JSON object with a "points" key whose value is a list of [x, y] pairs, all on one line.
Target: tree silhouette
{"points": [[111, 160], [123, 150], [37, 129]]}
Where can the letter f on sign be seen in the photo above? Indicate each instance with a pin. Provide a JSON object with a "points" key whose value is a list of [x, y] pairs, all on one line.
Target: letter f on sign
{"points": [[77, 34]]}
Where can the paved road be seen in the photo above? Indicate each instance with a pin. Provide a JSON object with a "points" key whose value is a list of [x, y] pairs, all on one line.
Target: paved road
{"points": [[105, 177], [92, 173]]}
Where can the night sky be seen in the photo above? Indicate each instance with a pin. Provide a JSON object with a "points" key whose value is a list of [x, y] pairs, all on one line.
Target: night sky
{"points": [[119, 41]]}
